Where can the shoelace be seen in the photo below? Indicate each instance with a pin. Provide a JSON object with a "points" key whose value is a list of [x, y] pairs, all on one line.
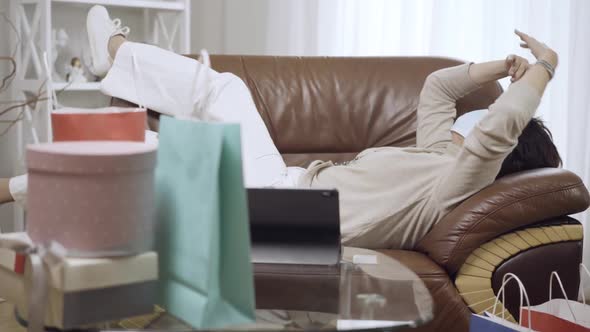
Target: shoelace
{"points": [[118, 29]]}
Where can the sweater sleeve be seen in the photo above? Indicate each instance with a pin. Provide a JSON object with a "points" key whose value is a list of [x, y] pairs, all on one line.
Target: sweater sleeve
{"points": [[436, 108], [489, 143]]}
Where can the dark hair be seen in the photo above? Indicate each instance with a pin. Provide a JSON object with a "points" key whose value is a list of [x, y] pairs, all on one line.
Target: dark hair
{"points": [[535, 149]]}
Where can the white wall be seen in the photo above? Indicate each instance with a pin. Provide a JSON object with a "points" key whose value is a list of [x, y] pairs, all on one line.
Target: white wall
{"points": [[207, 26], [255, 27], [229, 26]]}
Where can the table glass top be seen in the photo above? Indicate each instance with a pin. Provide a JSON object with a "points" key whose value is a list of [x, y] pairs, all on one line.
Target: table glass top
{"points": [[368, 291]]}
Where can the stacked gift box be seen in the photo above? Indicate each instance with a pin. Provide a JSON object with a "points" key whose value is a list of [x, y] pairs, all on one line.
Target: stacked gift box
{"points": [[86, 256], [84, 291]]}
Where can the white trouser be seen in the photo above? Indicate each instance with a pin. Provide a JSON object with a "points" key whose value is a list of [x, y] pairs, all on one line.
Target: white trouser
{"points": [[172, 84]]}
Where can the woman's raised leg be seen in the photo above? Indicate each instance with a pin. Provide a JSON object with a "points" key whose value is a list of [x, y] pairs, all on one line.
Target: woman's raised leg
{"points": [[172, 84]]}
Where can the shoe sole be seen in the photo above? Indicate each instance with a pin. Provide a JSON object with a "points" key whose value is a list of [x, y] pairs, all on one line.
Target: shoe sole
{"points": [[93, 53]]}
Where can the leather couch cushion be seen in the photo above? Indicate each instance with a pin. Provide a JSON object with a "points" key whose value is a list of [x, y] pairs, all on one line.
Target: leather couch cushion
{"points": [[509, 203], [450, 312], [333, 108]]}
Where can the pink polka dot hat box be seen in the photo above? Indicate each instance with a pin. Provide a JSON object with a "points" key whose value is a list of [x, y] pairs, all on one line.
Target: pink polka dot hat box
{"points": [[96, 198]]}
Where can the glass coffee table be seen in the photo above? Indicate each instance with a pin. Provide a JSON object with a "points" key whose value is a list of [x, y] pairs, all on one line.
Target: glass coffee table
{"points": [[368, 291]]}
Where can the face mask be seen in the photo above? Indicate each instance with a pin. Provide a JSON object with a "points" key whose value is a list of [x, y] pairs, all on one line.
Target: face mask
{"points": [[465, 123]]}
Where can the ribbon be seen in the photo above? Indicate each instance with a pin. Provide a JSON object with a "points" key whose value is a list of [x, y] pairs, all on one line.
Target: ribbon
{"points": [[52, 255]]}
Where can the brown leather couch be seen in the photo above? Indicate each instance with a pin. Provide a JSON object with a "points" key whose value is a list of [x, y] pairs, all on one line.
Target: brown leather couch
{"points": [[333, 108]]}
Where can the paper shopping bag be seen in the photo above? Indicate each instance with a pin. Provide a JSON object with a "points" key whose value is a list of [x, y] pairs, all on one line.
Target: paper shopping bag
{"points": [[559, 314], [203, 231], [555, 315], [101, 124], [491, 323], [488, 322]]}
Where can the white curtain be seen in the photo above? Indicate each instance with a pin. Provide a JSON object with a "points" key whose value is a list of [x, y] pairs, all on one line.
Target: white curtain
{"points": [[576, 110], [474, 30]]}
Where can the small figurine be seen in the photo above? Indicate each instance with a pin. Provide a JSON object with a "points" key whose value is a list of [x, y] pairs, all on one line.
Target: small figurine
{"points": [[76, 72]]}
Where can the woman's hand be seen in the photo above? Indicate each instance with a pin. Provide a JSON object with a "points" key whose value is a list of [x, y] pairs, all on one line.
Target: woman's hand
{"points": [[539, 50], [516, 66]]}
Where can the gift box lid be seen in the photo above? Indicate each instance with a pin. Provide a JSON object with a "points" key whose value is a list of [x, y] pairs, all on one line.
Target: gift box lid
{"points": [[104, 110], [78, 274], [98, 124], [96, 157]]}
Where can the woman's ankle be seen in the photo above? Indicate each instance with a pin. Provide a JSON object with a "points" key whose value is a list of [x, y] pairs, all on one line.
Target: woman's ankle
{"points": [[5, 195], [115, 43]]}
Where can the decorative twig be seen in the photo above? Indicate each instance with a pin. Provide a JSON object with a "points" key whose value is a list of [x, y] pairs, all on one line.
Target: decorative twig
{"points": [[8, 78], [31, 100], [13, 27], [18, 118]]}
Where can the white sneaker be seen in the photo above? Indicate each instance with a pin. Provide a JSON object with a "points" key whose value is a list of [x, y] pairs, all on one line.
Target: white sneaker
{"points": [[100, 29]]}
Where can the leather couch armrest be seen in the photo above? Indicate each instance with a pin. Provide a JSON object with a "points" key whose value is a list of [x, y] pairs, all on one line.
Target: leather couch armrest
{"points": [[510, 203]]}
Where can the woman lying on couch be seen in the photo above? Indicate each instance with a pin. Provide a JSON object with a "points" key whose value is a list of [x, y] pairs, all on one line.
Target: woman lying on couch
{"points": [[390, 197]]}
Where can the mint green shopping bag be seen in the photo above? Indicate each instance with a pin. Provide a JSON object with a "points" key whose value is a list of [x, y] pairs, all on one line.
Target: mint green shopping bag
{"points": [[203, 237]]}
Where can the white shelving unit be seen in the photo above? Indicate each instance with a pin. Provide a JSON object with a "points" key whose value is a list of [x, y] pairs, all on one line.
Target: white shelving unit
{"points": [[88, 86], [144, 4], [165, 23]]}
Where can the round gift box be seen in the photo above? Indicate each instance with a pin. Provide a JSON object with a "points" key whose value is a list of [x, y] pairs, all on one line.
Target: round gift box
{"points": [[96, 198], [101, 124]]}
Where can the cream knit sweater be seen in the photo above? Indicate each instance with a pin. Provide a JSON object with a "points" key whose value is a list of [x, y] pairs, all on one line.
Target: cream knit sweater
{"points": [[391, 197]]}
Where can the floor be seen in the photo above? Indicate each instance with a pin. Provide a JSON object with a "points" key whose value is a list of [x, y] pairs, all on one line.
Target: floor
{"points": [[156, 320], [7, 321]]}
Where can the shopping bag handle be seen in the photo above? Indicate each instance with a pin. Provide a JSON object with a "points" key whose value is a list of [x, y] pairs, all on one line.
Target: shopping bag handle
{"points": [[198, 110], [585, 269], [136, 78], [523, 294], [556, 275], [204, 58], [206, 61]]}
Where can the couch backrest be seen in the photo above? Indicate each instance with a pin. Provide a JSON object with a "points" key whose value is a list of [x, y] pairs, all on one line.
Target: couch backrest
{"points": [[334, 107]]}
